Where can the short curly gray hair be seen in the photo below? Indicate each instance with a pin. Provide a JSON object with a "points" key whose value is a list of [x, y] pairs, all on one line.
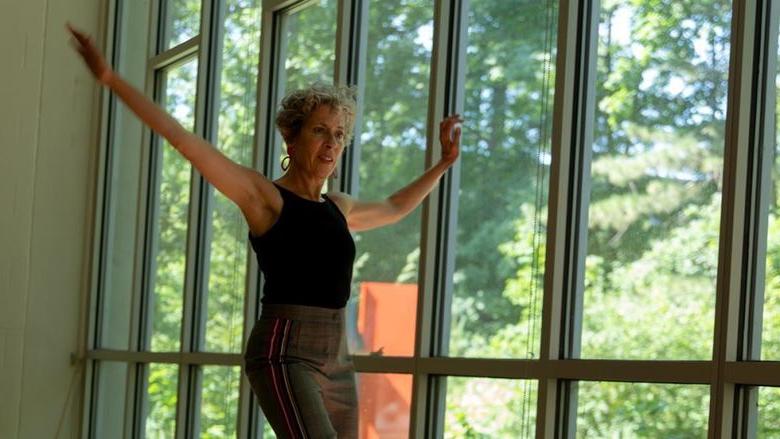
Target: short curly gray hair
{"points": [[298, 105]]}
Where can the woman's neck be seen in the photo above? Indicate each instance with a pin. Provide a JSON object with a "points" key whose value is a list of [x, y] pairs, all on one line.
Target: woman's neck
{"points": [[305, 186]]}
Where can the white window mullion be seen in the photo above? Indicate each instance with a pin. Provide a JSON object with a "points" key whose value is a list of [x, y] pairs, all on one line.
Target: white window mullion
{"points": [[439, 215], [349, 69], [747, 184], [190, 376], [567, 221]]}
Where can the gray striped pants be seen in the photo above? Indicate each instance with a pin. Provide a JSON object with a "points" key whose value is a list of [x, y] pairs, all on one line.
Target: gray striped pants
{"points": [[300, 371]]}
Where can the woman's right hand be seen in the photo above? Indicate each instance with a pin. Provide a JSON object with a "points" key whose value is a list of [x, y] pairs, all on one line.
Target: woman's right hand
{"points": [[92, 57]]}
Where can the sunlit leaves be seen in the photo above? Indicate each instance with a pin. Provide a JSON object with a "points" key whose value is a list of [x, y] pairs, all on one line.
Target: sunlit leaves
{"points": [[490, 408], [183, 21], [642, 410], [392, 140], [655, 178], [173, 211], [161, 402], [311, 40], [219, 402]]}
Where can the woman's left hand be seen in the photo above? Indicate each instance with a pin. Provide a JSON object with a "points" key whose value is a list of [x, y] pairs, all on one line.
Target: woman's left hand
{"points": [[92, 57], [449, 136]]}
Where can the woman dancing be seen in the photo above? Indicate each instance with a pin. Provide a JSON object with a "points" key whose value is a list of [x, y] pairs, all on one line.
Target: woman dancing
{"points": [[296, 358]]}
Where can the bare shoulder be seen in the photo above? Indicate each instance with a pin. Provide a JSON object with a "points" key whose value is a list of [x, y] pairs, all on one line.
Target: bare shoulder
{"points": [[262, 210], [343, 201], [266, 193]]}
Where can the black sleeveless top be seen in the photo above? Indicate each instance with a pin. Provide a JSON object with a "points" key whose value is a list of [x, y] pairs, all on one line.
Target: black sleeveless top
{"points": [[307, 254]]}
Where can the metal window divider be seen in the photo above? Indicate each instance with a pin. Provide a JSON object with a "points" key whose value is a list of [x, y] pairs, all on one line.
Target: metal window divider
{"points": [[746, 181], [567, 213], [439, 222]]}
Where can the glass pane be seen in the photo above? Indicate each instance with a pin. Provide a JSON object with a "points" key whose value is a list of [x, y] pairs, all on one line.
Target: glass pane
{"points": [[770, 334], [170, 227], [310, 36], [505, 157], [160, 416], [384, 401], [656, 170], [219, 402], [228, 247], [268, 432], [768, 412], [392, 154], [122, 204], [490, 408], [309, 45], [182, 21], [110, 404], [639, 410]]}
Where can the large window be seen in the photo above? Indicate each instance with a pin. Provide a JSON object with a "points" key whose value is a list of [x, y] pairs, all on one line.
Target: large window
{"points": [[602, 260], [656, 179], [235, 133], [306, 52], [172, 200], [502, 200], [309, 40], [175, 285], [392, 151], [770, 338]]}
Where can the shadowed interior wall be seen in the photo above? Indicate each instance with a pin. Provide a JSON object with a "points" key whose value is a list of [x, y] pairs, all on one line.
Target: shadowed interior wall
{"points": [[49, 121]]}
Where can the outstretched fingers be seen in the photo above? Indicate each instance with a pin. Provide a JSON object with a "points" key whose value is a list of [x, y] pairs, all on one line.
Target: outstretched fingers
{"points": [[81, 37], [449, 137], [449, 132], [92, 57]]}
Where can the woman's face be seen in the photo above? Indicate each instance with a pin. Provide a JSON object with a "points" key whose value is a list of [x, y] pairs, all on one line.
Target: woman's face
{"points": [[318, 146]]}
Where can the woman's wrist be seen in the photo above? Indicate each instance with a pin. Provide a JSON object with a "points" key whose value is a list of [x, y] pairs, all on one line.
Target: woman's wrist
{"points": [[440, 168], [106, 77], [444, 164]]}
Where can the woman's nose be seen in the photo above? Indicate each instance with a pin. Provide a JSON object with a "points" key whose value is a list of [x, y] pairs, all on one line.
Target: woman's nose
{"points": [[331, 140]]}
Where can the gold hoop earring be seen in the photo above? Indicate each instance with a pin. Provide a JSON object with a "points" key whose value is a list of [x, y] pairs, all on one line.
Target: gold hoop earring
{"points": [[285, 167]]}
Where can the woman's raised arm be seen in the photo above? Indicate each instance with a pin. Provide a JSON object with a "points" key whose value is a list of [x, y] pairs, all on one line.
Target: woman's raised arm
{"points": [[244, 186], [366, 215]]}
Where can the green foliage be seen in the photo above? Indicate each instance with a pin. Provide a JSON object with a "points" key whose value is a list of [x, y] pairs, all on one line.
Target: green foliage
{"points": [[161, 401], [219, 404], [228, 245], [183, 21], [669, 290], [768, 412], [770, 340], [769, 398], [490, 408], [311, 45], [171, 230], [392, 135], [509, 77], [227, 257], [628, 410]]}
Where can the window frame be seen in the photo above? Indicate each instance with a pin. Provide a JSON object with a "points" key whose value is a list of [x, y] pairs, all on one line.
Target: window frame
{"points": [[733, 373]]}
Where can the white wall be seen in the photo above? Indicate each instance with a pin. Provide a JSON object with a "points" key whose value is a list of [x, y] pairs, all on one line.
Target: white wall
{"points": [[49, 122]]}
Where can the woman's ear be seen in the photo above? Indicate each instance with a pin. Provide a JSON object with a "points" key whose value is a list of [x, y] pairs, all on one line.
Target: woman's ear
{"points": [[286, 138]]}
